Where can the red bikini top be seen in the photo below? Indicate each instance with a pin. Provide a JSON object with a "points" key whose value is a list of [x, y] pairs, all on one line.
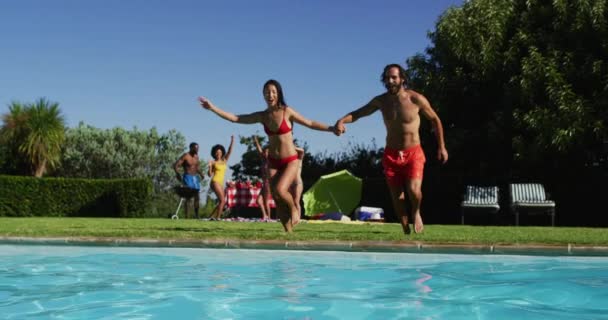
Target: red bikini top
{"points": [[283, 128]]}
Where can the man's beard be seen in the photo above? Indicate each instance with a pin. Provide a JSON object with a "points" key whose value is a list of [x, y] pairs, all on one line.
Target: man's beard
{"points": [[392, 88]]}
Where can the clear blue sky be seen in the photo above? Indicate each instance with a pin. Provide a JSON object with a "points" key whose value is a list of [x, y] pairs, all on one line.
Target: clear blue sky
{"points": [[142, 63]]}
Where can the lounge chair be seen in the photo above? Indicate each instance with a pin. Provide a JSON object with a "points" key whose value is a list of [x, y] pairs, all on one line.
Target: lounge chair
{"points": [[480, 197], [530, 196]]}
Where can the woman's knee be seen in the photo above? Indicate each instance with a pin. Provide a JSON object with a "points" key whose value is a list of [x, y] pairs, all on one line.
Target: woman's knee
{"points": [[284, 192]]}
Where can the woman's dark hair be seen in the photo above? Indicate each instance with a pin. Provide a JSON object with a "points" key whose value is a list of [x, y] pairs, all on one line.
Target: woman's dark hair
{"points": [[279, 91], [402, 73], [217, 147]]}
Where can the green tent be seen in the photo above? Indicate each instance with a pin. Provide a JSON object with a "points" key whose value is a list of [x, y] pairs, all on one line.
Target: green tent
{"points": [[336, 192]]}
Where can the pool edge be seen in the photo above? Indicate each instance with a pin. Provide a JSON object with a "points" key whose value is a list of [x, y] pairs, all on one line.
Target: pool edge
{"points": [[354, 246]]}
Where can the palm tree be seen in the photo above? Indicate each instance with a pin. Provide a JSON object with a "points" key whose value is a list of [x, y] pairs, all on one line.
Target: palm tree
{"points": [[14, 131], [35, 133]]}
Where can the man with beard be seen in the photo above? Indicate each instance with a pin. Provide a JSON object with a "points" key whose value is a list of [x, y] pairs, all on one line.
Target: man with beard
{"points": [[190, 163], [403, 159]]}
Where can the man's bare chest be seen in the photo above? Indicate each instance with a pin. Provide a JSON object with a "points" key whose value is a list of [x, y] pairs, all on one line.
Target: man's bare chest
{"points": [[400, 111], [191, 161]]}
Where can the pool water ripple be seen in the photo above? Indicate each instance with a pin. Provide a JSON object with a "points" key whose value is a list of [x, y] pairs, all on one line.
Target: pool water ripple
{"points": [[46, 282]]}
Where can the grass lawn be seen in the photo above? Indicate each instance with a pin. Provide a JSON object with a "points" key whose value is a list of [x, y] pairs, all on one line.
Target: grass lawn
{"points": [[165, 229]]}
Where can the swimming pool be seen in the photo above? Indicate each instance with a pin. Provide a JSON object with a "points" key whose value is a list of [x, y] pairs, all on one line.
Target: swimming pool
{"points": [[65, 282]]}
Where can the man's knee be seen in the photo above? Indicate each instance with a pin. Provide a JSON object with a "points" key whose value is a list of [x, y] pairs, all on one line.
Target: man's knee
{"points": [[415, 192]]}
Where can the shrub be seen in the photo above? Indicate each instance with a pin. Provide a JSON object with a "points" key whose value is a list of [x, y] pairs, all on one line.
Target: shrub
{"points": [[60, 197]]}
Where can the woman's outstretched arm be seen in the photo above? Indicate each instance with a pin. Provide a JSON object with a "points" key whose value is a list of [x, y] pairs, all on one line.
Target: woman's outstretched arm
{"points": [[243, 118], [312, 124], [229, 148]]}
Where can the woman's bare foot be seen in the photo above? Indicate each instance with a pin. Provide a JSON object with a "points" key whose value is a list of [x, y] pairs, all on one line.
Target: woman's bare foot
{"points": [[295, 218], [286, 222], [287, 226], [418, 225]]}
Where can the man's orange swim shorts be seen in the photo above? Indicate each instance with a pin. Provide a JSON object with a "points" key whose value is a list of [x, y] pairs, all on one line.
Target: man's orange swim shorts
{"points": [[402, 165]]}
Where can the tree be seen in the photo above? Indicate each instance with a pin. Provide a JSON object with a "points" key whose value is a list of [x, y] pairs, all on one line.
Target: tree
{"points": [[118, 153], [33, 135], [522, 90], [523, 78], [249, 167], [361, 160]]}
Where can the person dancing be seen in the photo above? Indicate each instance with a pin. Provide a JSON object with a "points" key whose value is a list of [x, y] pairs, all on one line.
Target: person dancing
{"points": [[217, 170], [192, 176]]}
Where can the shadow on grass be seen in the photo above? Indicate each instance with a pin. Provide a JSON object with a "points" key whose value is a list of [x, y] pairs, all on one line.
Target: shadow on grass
{"points": [[184, 229]]}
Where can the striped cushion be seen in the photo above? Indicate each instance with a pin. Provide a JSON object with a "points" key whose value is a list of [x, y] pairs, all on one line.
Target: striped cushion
{"points": [[529, 194], [476, 196]]}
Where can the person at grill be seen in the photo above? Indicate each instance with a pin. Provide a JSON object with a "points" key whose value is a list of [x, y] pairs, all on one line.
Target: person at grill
{"points": [[192, 176]]}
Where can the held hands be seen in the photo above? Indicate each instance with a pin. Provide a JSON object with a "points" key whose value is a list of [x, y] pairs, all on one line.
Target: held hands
{"points": [[334, 130], [338, 129]]}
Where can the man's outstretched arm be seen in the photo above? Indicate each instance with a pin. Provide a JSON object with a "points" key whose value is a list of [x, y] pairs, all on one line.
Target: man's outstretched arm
{"points": [[353, 116]]}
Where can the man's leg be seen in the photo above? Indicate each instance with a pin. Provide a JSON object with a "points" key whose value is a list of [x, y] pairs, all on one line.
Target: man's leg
{"points": [[197, 201], [186, 205], [414, 193], [398, 200]]}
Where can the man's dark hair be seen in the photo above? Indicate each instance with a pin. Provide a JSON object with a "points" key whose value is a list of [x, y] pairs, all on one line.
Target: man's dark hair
{"points": [[217, 147], [279, 91], [193, 144], [402, 73]]}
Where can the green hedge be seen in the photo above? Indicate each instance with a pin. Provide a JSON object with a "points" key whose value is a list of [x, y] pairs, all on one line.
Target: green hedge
{"points": [[60, 197]]}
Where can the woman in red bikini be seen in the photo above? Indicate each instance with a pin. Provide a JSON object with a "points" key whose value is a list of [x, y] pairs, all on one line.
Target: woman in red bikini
{"points": [[278, 121]]}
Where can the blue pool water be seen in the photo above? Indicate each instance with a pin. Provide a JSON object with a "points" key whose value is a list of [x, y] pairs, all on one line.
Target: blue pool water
{"points": [[60, 282]]}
